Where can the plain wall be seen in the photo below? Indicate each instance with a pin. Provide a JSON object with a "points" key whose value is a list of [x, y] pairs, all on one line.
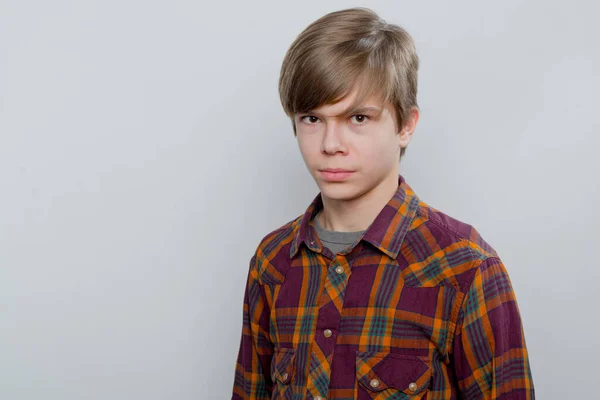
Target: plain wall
{"points": [[144, 153]]}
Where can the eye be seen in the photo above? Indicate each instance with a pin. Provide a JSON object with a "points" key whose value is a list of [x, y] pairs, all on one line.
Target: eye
{"points": [[311, 118], [362, 119]]}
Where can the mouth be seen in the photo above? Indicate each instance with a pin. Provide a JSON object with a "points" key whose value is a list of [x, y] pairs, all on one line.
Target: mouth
{"points": [[335, 175]]}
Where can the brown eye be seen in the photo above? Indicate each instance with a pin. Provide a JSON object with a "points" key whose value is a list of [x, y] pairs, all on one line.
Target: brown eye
{"points": [[311, 118], [361, 119]]}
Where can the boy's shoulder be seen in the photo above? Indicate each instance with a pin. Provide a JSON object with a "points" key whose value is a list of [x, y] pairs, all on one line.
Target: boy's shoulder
{"points": [[440, 249], [271, 256], [278, 239], [451, 228]]}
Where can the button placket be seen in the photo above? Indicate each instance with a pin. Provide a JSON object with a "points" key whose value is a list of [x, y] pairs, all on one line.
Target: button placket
{"points": [[328, 317]]}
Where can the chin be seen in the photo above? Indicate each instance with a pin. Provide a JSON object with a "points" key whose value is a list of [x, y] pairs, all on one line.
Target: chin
{"points": [[338, 191]]}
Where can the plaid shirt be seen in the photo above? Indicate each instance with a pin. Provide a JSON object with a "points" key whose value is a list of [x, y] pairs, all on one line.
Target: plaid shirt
{"points": [[420, 307]]}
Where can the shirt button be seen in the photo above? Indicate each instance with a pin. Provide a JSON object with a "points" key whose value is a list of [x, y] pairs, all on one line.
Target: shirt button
{"points": [[327, 332], [374, 383], [284, 376], [412, 387], [339, 269], [319, 398]]}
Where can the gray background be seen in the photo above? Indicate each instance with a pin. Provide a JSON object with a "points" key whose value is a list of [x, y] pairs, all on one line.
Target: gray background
{"points": [[144, 154]]}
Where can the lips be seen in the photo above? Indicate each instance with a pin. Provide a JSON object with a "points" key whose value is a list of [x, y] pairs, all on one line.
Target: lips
{"points": [[335, 170], [336, 175]]}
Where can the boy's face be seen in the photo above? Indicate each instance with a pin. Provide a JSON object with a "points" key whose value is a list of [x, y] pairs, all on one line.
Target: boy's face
{"points": [[365, 141]]}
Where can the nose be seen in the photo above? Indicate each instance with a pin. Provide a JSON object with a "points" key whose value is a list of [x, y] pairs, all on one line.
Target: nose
{"points": [[333, 139]]}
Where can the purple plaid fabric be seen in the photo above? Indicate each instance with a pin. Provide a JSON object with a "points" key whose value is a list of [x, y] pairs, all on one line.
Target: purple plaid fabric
{"points": [[420, 307]]}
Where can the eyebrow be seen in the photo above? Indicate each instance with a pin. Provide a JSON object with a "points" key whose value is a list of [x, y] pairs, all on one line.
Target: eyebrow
{"points": [[356, 110]]}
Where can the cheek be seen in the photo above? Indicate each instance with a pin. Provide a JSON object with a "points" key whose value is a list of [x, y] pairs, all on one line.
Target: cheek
{"points": [[378, 156], [307, 149], [378, 150]]}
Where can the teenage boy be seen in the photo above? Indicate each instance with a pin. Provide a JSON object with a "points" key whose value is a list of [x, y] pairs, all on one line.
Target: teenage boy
{"points": [[371, 293]]}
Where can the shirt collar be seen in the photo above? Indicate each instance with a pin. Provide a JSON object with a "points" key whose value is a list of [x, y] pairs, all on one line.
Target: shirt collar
{"points": [[386, 232]]}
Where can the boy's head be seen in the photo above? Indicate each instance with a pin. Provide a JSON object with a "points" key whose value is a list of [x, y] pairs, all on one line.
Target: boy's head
{"points": [[343, 60]]}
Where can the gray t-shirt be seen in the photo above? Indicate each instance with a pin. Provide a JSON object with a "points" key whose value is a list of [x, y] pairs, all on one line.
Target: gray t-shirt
{"points": [[334, 240]]}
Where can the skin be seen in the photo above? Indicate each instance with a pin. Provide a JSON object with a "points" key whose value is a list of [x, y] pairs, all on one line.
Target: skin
{"points": [[367, 142]]}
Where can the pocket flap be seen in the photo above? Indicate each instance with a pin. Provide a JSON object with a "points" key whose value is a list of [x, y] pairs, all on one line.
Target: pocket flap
{"points": [[379, 371], [282, 364]]}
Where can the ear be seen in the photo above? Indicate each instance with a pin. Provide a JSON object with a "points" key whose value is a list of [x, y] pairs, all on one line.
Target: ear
{"points": [[405, 135]]}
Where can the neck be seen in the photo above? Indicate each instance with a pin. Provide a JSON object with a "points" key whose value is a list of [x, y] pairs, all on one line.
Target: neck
{"points": [[358, 213]]}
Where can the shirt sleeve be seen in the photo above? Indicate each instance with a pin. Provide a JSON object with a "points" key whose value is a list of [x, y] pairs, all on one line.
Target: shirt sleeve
{"points": [[489, 353], [252, 378]]}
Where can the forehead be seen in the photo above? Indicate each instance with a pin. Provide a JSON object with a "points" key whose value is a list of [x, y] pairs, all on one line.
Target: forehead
{"points": [[351, 102]]}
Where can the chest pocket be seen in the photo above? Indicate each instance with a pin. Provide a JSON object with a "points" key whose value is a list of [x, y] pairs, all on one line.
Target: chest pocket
{"points": [[282, 372], [388, 375]]}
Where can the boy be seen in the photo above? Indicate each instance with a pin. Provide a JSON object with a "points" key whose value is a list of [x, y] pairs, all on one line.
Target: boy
{"points": [[371, 293]]}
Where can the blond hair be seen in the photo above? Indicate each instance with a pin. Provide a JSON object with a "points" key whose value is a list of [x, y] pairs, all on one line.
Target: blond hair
{"points": [[347, 49]]}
